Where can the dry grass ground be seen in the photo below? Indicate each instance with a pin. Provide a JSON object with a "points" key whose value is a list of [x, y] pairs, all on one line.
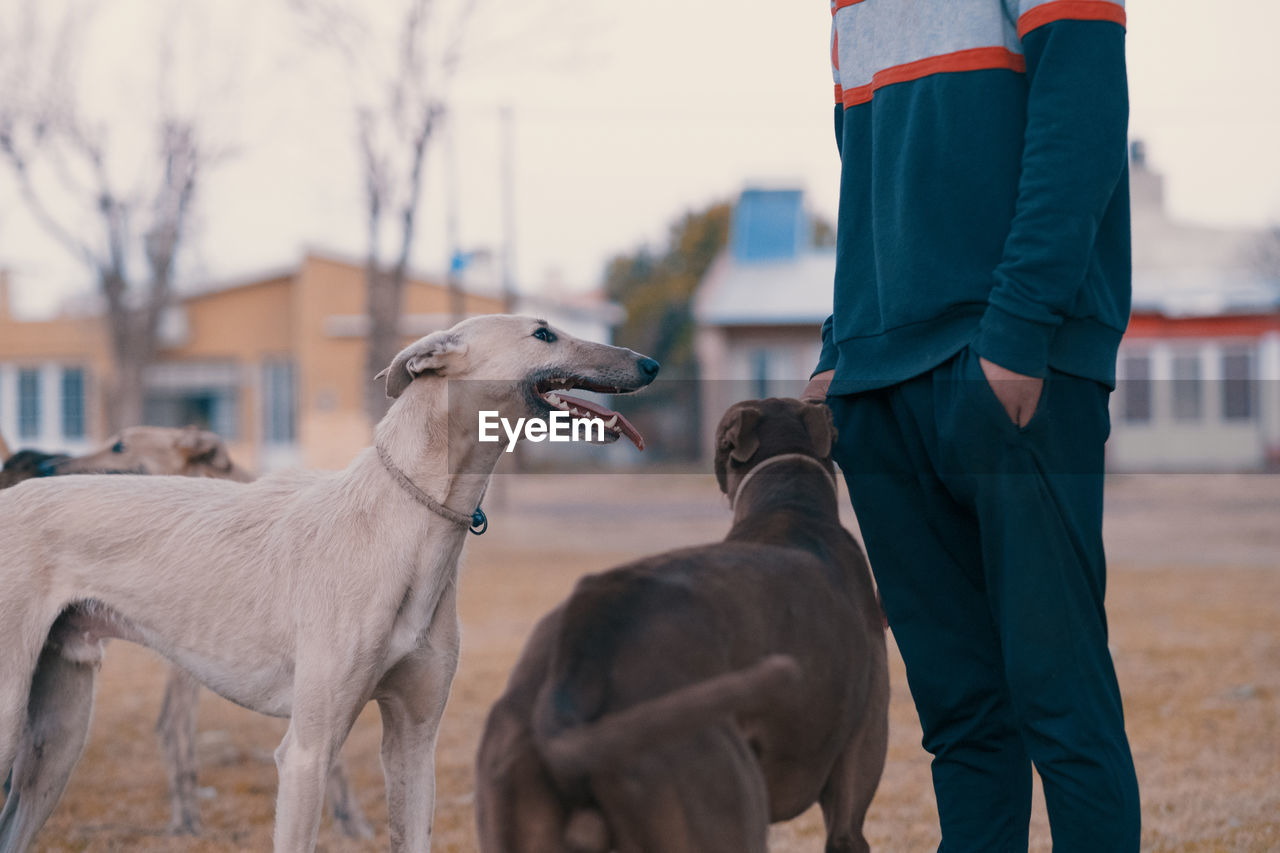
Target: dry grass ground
{"points": [[1194, 601]]}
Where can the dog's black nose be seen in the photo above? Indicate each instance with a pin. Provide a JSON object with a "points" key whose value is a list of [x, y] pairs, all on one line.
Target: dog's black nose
{"points": [[48, 468], [649, 367]]}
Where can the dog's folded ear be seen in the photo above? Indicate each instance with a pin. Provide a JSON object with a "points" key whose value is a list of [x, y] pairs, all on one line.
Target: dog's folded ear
{"points": [[738, 434], [431, 354], [819, 423], [199, 446], [736, 439]]}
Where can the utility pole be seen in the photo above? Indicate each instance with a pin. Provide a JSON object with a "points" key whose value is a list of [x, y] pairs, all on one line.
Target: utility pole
{"points": [[498, 489], [506, 125], [457, 299]]}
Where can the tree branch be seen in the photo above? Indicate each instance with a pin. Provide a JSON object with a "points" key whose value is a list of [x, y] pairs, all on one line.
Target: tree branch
{"points": [[51, 225]]}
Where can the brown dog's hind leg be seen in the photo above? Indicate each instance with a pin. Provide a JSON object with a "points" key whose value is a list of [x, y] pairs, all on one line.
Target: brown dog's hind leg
{"points": [[517, 807], [59, 710], [853, 781], [703, 793]]}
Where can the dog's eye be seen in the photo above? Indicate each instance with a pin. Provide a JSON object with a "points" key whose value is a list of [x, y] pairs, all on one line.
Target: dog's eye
{"points": [[542, 333], [118, 447]]}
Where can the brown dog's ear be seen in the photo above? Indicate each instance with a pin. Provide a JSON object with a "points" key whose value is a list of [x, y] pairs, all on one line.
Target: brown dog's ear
{"points": [[738, 436], [201, 447], [820, 425], [736, 439], [431, 354]]}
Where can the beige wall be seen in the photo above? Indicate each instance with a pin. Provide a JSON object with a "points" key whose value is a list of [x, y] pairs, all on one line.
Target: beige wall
{"points": [[243, 326], [331, 371]]}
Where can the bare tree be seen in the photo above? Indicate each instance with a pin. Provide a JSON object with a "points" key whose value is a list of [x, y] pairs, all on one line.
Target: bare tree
{"points": [[400, 59], [61, 161], [399, 64]]}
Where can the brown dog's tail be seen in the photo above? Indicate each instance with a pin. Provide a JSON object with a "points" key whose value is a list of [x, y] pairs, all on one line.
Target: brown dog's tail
{"points": [[578, 751]]}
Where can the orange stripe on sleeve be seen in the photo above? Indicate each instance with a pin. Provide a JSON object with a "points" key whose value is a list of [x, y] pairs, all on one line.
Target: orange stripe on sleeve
{"points": [[840, 4], [1075, 10], [975, 59], [839, 94]]}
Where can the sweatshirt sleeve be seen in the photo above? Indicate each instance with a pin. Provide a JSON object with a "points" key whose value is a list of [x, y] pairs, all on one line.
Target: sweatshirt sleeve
{"points": [[1074, 154], [827, 360], [830, 355]]}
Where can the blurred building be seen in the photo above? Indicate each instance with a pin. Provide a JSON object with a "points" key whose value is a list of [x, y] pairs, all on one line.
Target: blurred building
{"points": [[759, 309], [273, 362], [1199, 368], [50, 375]]}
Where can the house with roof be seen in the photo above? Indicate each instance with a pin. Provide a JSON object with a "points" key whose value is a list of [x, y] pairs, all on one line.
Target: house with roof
{"points": [[273, 362], [1198, 376], [1199, 367], [759, 309]]}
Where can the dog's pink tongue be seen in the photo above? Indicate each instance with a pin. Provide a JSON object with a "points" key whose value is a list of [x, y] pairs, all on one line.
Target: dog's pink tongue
{"points": [[623, 425]]}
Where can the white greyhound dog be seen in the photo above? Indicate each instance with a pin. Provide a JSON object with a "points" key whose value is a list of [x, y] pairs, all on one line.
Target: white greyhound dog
{"points": [[186, 452], [302, 595]]}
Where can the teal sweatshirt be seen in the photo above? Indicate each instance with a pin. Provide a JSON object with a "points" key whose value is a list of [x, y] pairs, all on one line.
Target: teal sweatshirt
{"points": [[984, 194]]}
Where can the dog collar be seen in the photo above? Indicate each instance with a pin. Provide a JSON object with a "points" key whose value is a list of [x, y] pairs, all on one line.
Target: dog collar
{"points": [[477, 522], [783, 457]]}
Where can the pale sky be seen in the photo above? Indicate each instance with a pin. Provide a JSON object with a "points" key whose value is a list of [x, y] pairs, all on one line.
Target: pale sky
{"points": [[623, 120]]}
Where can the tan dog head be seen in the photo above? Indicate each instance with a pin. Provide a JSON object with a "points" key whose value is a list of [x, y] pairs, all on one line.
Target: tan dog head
{"points": [[754, 430], [518, 367], [187, 452]]}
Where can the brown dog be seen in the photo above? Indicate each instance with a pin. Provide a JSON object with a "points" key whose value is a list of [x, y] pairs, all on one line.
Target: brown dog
{"points": [[187, 452], [681, 703]]}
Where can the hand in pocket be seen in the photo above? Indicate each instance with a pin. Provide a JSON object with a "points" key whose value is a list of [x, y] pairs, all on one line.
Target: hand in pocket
{"points": [[1018, 394], [816, 390]]}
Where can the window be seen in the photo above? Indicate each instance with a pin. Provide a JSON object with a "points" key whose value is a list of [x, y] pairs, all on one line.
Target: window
{"points": [[760, 372], [279, 407], [1135, 388], [1237, 385], [203, 394], [73, 403], [28, 404], [1187, 393], [207, 408]]}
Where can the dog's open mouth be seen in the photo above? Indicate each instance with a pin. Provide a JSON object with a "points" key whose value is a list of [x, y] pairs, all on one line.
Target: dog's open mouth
{"points": [[615, 423]]}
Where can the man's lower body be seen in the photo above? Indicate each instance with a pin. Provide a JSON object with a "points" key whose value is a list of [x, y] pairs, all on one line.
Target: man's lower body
{"points": [[986, 543]]}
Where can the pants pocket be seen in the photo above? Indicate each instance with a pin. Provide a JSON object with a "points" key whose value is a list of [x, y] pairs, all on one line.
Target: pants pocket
{"points": [[980, 386], [975, 433]]}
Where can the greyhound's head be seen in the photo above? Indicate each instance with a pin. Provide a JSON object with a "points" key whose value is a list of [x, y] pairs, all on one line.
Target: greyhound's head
{"points": [[188, 452], [755, 430], [520, 367]]}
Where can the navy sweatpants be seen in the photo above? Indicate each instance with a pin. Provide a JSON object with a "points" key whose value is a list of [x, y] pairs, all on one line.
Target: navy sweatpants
{"points": [[986, 542]]}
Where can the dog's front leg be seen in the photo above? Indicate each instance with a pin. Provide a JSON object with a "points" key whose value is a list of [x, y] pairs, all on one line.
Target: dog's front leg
{"points": [[322, 717], [411, 698]]}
